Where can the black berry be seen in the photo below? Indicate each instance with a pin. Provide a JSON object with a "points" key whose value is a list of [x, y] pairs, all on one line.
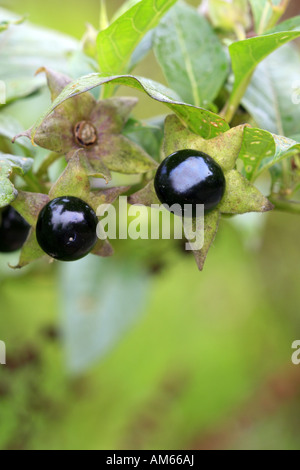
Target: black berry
{"points": [[66, 229], [190, 177], [13, 230]]}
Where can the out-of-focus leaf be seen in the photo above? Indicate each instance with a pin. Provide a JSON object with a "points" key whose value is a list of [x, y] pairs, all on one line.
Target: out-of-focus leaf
{"points": [[263, 12], [227, 15], [262, 150], [287, 25], [89, 41], [191, 55], [9, 127], [101, 300], [200, 121], [246, 56], [117, 43], [24, 49], [149, 136], [142, 49], [10, 164], [269, 98]]}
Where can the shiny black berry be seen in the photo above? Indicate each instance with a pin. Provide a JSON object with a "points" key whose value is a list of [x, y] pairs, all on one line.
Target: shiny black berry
{"points": [[66, 229], [13, 230], [190, 177]]}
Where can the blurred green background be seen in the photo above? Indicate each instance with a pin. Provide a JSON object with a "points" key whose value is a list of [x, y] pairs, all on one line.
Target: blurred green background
{"points": [[205, 362]]}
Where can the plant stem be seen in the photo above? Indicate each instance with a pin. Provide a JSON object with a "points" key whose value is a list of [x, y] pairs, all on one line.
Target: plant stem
{"points": [[240, 32], [277, 14], [284, 205], [49, 160], [103, 20], [237, 94], [107, 91], [235, 100]]}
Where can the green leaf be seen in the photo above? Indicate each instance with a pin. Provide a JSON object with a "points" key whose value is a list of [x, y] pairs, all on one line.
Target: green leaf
{"points": [[263, 12], [126, 5], [287, 25], [272, 97], [101, 299], [9, 165], [146, 134], [191, 55], [142, 49], [295, 137], [246, 55], [117, 43], [261, 150], [199, 120], [24, 49], [9, 127]]}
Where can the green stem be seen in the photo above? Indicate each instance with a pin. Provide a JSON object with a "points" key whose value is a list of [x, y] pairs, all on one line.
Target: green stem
{"points": [[48, 161], [240, 32], [286, 173], [107, 91], [237, 94], [284, 205], [263, 20], [235, 100], [103, 20], [278, 11]]}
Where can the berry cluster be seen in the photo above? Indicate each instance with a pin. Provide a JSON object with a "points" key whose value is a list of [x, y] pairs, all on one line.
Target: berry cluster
{"points": [[91, 136], [66, 226], [66, 229]]}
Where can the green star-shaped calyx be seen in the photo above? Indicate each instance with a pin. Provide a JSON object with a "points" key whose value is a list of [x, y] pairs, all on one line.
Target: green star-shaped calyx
{"points": [[92, 126], [240, 195], [73, 182]]}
